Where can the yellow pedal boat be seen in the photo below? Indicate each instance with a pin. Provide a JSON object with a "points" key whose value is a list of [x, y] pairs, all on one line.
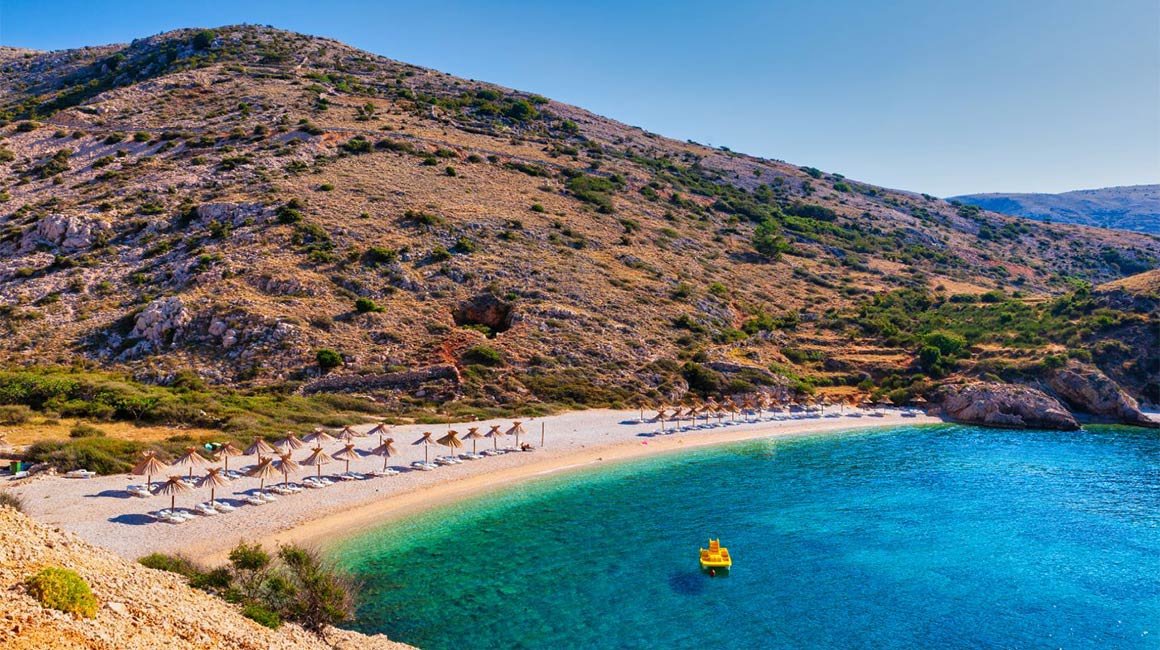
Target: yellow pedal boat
{"points": [[716, 556]]}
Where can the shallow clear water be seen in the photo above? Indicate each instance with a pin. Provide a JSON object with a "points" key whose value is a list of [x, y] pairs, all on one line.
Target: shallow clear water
{"points": [[917, 537]]}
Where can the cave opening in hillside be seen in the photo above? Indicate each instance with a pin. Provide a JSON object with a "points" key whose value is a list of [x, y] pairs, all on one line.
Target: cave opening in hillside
{"points": [[486, 313]]}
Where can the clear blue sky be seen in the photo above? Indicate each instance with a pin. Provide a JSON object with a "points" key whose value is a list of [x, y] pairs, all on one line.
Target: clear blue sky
{"points": [[941, 96]]}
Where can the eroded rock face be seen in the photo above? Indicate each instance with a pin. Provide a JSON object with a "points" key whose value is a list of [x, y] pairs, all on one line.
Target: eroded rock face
{"points": [[1091, 391], [1005, 405], [70, 233]]}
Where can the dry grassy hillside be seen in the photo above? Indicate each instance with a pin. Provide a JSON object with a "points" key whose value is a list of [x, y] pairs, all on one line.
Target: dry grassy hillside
{"points": [[219, 201]]}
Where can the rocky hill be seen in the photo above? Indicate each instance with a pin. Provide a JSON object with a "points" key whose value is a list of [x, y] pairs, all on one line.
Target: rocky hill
{"points": [[138, 608], [260, 208], [1135, 207]]}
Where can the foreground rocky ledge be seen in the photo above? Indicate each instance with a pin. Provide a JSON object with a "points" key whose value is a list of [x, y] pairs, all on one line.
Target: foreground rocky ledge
{"points": [[140, 608]]}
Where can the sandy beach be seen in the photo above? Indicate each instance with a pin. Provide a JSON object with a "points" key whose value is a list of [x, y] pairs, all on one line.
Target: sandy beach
{"points": [[101, 512]]}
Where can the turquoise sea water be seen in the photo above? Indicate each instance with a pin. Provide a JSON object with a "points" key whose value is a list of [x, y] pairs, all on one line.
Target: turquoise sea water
{"points": [[917, 537]]}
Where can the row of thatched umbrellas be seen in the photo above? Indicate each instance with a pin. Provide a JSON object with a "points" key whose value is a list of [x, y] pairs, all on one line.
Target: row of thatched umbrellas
{"points": [[276, 458], [754, 404]]}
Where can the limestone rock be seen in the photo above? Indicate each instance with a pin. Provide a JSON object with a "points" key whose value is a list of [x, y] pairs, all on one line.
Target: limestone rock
{"points": [[161, 321], [1087, 389], [1005, 405], [70, 233]]}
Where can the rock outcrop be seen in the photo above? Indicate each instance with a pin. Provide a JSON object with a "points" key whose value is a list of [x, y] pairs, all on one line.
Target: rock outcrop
{"points": [[161, 320], [139, 608], [1088, 390], [69, 233], [1005, 405]]}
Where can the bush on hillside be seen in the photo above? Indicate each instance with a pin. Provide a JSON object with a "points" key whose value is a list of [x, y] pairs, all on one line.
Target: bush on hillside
{"points": [[366, 305], [328, 359], [14, 414], [483, 355], [63, 589]]}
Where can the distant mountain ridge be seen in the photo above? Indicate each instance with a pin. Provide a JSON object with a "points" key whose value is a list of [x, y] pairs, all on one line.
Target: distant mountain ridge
{"points": [[1130, 207]]}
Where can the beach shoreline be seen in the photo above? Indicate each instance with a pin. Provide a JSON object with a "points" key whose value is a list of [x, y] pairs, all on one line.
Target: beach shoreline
{"points": [[334, 528], [99, 511]]}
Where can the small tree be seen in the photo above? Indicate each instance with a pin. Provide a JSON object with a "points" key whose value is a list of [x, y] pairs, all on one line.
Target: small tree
{"points": [[768, 241], [250, 564], [322, 596]]}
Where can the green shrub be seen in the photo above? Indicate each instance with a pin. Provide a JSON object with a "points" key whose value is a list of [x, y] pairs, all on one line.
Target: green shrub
{"points": [[422, 218], [768, 241], [378, 256], [593, 189], [63, 589], [84, 430], [320, 595], [26, 127], [357, 145], [262, 616], [701, 379], [101, 455], [483, 355], [366, 305], [171, 563], [251, 565], [203, 39], [14, 414], [141, 136], [948, 343], [328, 359]]}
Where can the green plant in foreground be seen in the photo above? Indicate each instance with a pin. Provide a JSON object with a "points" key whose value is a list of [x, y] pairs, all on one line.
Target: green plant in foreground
{"points": [[64, 590]]}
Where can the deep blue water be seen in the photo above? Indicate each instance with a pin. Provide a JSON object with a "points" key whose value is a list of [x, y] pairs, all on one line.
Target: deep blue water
{"points": [[917, 537]]}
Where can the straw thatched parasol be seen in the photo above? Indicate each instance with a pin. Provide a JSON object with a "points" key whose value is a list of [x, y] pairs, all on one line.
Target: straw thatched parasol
{"points": [[149, 465], [495, 434], [347, 453], [214, 479], [286, 464], [289, 444], [451, 441], [381, 429], [172, 487], [474, 434], [386, 450], [349, 434], [261, 448], [516, 429], [225, 451], [191, 459], [426, 441], [318, 437], [263, 470], [317, 458]]}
